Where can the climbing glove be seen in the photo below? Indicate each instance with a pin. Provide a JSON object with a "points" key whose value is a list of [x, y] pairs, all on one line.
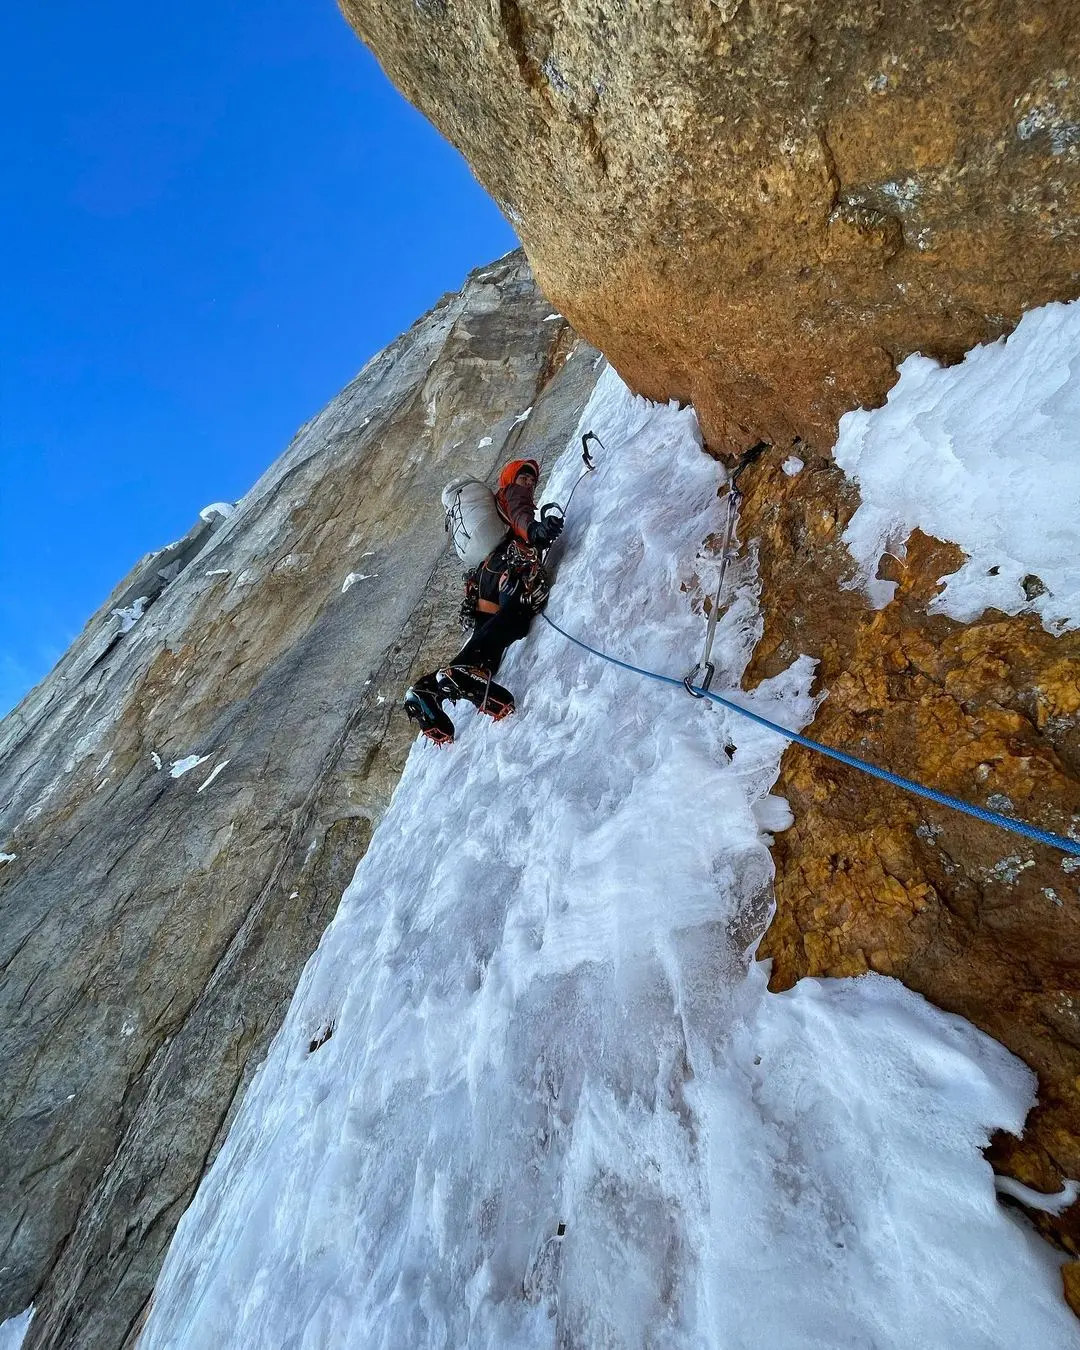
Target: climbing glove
{"points": [[543, 533]]}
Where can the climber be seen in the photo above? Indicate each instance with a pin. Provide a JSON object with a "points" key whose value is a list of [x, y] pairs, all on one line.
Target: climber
{"points": [[503, 591]]}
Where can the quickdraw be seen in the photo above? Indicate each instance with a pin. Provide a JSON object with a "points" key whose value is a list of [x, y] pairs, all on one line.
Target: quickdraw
{"points": [[695, 686]]}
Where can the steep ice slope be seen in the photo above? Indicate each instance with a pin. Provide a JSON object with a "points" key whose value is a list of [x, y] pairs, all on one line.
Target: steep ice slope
{"points": [[558, 1106]]}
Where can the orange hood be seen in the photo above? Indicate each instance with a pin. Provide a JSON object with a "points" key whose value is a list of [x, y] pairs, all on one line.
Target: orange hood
{"points": [[511, 471]]}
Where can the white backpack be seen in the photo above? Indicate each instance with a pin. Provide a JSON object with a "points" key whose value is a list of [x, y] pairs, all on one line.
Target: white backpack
{"points": [[472, 519]]}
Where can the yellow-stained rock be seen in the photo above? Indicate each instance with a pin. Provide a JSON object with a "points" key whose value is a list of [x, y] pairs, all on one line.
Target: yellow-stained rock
{"points": [[979, 920], [761, 208], [1058, 692], [1070, 1279]]}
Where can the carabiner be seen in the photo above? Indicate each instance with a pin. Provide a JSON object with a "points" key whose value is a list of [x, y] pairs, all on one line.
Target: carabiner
{"points": [[699, 691]]}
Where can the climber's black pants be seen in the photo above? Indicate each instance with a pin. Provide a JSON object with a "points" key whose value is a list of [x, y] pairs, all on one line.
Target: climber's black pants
{"points": [[494, 633]]}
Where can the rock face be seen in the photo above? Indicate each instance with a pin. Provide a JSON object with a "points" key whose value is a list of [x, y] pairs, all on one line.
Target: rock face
{"points": [[763, 207], [980, 921], [153, 921]]}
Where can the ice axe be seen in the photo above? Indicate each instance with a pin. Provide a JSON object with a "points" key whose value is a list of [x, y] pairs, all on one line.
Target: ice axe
{"points": [[589, 436], [589, 468]]}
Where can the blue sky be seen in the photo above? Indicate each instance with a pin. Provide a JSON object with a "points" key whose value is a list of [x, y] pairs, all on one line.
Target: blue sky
{"points": [[212, 215]]}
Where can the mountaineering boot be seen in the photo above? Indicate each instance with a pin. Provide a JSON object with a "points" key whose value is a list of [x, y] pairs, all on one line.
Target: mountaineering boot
{"points": [[423, 703], [475, 685]]}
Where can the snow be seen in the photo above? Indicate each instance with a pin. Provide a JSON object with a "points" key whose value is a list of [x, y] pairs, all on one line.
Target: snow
{"points": [[522, 417], [985, 454], [211, 776], [129, 615], [484, 441], [8, 857], [559, 1106], [354, 577], [773, 814], [1050, 1204], [793, 465], [14, 1329], [179, 767], [222, 509]]}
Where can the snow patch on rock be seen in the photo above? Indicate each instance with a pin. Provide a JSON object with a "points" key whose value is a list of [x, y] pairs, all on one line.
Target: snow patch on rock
{"points": [[1049, 1204], [13, 1331], [179, 767], [985, 454], [211, 776], [129, 615]]}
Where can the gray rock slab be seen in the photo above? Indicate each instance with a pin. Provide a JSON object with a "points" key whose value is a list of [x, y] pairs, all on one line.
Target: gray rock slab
{"points": [[155, 917]]}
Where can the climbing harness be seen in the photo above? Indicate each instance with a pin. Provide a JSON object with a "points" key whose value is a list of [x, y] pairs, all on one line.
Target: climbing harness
{"points": [[524, 575], [983, 813], [705, 666]]}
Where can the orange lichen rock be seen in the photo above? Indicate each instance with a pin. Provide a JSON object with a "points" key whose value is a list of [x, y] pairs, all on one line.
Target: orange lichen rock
{"points": [[1070, 1278], [762, 208], [981, 921]]}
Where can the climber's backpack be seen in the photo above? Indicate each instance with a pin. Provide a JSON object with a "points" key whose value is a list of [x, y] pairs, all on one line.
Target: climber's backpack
{"points": [[472, 519]]}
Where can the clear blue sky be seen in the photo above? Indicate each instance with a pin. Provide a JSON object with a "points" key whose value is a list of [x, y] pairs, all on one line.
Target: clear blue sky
{"points": [[212, 214]]}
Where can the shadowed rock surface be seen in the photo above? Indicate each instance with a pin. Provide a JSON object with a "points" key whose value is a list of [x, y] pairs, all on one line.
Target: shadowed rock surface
{"points": [[152, 928], [761, 207]]}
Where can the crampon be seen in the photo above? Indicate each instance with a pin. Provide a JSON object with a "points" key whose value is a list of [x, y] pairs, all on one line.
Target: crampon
{"points": [[476, 686]]}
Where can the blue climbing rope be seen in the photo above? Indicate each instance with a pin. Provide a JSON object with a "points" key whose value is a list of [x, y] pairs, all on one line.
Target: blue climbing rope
{"points": [[932, 794]]}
